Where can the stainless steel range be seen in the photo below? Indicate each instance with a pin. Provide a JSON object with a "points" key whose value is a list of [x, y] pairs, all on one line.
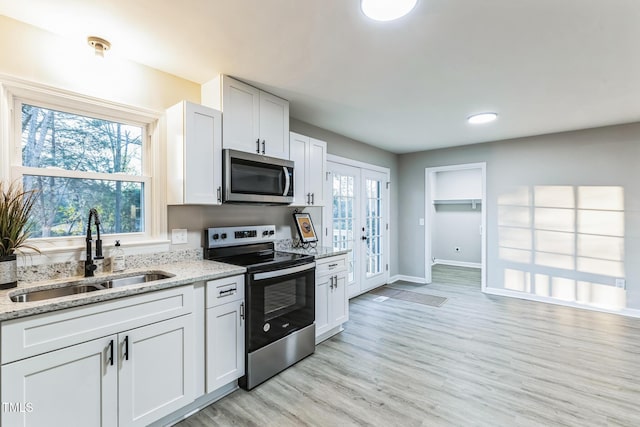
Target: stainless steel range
{"points": [[279, 295]]}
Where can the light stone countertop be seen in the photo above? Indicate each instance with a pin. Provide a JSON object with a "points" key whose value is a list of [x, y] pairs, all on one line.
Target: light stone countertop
{"points": [[318, 252], [184, 273]]}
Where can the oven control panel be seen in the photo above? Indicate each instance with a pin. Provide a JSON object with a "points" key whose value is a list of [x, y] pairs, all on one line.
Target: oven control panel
{"points": [[230, 236]]}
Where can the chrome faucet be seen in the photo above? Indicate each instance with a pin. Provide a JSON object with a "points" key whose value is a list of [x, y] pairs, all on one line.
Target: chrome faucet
{"points": [[89, 266]]}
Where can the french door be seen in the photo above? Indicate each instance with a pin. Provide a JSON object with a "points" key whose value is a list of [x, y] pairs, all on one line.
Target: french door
{"points": [[357, 220], [373, 227]]}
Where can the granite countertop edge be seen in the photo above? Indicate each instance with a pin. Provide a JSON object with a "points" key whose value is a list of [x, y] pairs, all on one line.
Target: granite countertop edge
{"points": [[318, 252], [184, 273]]}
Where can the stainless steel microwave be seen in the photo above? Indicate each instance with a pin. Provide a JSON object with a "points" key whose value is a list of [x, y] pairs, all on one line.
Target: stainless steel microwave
{"points": [[252, 178]]}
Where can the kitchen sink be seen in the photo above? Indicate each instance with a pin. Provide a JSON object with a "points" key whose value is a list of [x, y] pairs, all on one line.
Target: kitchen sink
{"points": [[44, 294], [133, 280], [83, 287]]}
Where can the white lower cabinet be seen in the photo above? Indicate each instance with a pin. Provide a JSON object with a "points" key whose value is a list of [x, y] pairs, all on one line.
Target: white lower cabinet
{"points": [[332, 299], [74, 386], [154, 371], [225, 334], [136, 374]]}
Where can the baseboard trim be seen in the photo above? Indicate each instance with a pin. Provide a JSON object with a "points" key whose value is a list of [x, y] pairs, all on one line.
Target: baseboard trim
{"points": [[197, 405], [628, 312], [457, 263], [412, 279]]}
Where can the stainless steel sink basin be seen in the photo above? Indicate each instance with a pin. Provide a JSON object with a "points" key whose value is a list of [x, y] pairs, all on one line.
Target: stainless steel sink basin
{"points": [[84, 287], [44, 294], [132, 280]]}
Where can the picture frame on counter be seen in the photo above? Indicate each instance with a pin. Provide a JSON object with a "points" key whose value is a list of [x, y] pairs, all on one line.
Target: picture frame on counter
{"points": [[305, 227]]}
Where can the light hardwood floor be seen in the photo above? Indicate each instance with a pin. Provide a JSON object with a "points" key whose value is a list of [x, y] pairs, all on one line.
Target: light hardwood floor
{"points": [[478, 360]]}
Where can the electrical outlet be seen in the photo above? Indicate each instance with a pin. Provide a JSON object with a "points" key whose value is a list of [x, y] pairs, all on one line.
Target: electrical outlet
{"points": [[421, 221], [178, 236], [620, 283], [457, 248]]}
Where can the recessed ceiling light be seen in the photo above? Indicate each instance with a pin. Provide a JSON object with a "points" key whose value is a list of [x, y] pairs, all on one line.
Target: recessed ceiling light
{"points": [[481, 118], [387, 10]]}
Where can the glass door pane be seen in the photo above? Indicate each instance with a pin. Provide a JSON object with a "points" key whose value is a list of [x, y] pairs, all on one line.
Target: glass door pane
{"points": [[373, 227], [344, 216]]}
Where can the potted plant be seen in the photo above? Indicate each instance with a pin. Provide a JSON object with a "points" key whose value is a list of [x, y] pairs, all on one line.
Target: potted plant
{"points": [[15, 211]]}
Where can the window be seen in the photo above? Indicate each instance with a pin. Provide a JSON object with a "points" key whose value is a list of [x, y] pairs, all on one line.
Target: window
{"points": [[79, 154]]}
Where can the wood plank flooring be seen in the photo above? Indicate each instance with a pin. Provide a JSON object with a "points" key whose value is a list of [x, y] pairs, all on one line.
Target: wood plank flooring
{"points": [[478, 360]]}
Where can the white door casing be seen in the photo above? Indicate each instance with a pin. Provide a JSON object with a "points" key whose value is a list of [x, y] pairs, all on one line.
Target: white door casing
{"points": [[429, 210]]}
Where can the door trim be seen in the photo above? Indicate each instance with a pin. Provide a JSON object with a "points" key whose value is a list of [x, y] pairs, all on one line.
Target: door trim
{"points": [[428, 211], [357, 163]]}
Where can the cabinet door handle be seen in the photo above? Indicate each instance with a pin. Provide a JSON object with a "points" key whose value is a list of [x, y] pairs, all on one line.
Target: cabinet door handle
{"points": [[110, 353], [333, 265], [258, 145], [313, 198], [241, 313], [264, 143], [126, 347], [219, 194]]}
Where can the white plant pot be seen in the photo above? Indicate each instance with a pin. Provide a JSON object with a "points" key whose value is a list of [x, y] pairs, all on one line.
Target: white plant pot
{"points": [[8, 272]]}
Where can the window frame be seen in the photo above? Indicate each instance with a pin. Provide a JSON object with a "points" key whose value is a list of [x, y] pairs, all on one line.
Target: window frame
{"points": [[15, 93]]}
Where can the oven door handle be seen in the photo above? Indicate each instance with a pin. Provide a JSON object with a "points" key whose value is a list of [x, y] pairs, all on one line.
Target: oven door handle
{"points": [[283, 272], [287, 181]]}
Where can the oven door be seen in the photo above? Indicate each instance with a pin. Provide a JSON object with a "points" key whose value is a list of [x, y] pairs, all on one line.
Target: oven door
{"points": [[251, 178], [279, 302]]}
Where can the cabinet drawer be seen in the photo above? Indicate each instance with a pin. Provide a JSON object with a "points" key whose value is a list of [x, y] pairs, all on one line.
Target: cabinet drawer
{"points": [[29, 336], [331, 265], [226, 290]]}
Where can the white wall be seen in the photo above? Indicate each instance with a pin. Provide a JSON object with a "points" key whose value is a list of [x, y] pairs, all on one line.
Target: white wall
{"points": [[458, 184], [563, 213], [456, 226], [32, 54]]}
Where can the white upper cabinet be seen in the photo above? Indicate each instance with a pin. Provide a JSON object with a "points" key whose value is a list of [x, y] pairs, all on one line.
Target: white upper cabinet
{"points": [[274, 126], [310, 157], [194, 155], [254, 121], [241, 104], [317, 170]]}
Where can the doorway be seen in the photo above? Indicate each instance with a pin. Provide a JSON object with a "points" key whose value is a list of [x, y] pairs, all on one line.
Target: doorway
{"points": [[456, 218], [357, 219]]}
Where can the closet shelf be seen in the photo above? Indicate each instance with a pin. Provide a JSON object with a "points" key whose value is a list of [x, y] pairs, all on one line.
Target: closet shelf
{"points": [[472, 202]]}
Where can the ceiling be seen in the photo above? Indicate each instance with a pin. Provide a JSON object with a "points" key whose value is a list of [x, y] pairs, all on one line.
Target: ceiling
{"points": [[408, 85]]}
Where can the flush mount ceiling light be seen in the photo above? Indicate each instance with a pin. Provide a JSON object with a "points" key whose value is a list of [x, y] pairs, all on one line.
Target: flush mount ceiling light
{"points": [[478, 119], [387, 10], [99, 45]]}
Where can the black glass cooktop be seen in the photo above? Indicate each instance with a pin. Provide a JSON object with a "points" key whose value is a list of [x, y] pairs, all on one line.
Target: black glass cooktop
{"points": [[257, 257]]}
